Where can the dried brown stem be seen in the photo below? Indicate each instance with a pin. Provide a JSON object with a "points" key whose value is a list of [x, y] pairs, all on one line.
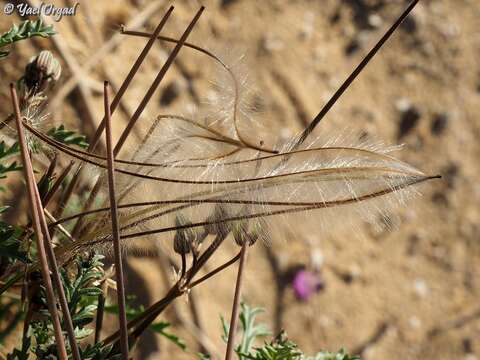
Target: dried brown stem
{"points": [[236, 104], [276, 212], [138, 20], [57, 183], [156, 83], [215, 271], [75, 68], [336, 170], [353, 76], [141, 323], [58, 226], [116, 100], [146, 99], [122, 313], [85, 155], [27, 167], [57, 280], [236, 302], [99, 318], [129, 78]]}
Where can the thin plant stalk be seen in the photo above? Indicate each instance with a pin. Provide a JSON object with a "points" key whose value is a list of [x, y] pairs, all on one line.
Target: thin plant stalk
{"points": [[57, 282], [215, 271], [27, 168], [156, 82], [336, 96], [346, 84], [122, 313], [236, 302], [129, 78], [67, 319], [142, 322], [141, 107], [99, 318], [116, 101], [156, 308]]}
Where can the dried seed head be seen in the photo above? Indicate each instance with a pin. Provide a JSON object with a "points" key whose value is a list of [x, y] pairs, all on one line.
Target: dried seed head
{"points": [[214, 226], [184, 238], [41, 72], [242, 235]]}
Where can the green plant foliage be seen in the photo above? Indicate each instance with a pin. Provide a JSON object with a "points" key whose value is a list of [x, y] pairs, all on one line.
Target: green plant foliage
{"points": [[250, 330], [6, 152], [280, 348], [67, 137], [82, 292], [160, 327], [10, 244], [98, 352], [326, 355], [25, 30]]}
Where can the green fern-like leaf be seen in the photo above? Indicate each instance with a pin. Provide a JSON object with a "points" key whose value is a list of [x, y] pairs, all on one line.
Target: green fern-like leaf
{"points": [[5, 152], [280, 348], [68, 137], [326, 355], [25, 30], [10, 244]]}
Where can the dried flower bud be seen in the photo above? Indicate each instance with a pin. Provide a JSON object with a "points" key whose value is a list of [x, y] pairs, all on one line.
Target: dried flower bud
{"points": [[215, 227], [41, 72], [242, 235], [184, 238]]}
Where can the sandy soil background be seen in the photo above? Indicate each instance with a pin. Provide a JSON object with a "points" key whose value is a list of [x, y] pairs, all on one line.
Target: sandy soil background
{"points": [[407, 293]]}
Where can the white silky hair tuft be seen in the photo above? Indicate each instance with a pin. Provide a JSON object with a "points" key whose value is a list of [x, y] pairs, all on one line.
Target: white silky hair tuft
{"points": [[191, 165]]}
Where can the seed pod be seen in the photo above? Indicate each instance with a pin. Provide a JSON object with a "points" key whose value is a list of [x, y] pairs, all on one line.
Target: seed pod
{"points": [[215, 227], [184, 238], [242, 235], [41, 72]]}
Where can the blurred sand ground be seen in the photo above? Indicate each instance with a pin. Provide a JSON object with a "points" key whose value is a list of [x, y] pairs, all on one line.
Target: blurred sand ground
{"points": [[408, 293]]}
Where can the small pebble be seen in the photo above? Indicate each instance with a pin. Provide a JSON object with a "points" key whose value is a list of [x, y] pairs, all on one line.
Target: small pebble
{"points": [[408, 121], [308, 26], [375, 20], [352, 47], [317, 259], [271, 43], [467, 346], [420, 287], [170, 93], [450, 174], [403, 104], [409, 25], [225, 3], [415, 322], [439, 124]]}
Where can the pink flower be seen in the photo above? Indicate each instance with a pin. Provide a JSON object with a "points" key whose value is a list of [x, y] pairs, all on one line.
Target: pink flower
{"points": [[306, 283]]}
